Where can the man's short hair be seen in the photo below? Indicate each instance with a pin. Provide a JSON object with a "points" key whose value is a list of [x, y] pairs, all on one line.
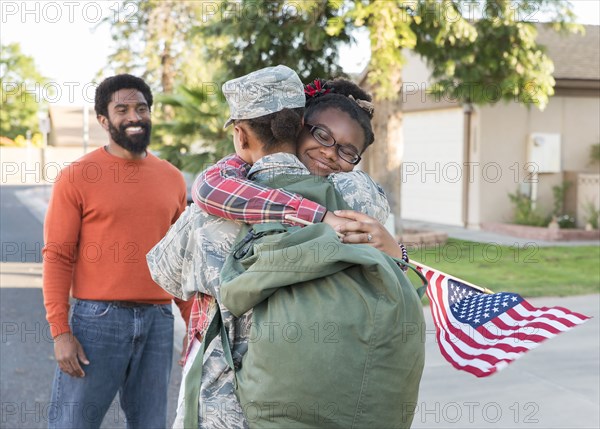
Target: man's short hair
{"points": [[112, 84]]}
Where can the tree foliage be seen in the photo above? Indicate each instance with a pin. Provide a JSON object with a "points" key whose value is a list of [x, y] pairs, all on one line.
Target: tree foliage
{"points": [[159, 41], [200, 139], [20, 102], [154, 39], [479, 51], [188, 49], [259, 33]]}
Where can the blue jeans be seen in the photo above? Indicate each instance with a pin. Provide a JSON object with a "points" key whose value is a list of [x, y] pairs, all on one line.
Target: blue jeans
{"points": [[130, 351]]}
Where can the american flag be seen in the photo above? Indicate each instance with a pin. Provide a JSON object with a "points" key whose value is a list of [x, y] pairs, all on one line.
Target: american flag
{"points": [[482, 333]]}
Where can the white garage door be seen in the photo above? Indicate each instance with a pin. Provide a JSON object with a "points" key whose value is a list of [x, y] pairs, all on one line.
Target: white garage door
{"points": [[432, 169]]}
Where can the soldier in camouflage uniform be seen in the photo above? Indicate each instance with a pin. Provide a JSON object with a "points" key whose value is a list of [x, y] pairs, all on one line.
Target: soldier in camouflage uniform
{"points": [[219, 407], [207, 241]]}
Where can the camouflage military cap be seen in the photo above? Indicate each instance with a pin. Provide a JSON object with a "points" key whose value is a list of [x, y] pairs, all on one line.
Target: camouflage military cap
{"points": [[263, 92]]}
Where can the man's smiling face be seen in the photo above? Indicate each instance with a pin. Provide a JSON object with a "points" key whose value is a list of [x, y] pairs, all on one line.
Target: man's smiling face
{"points": [[129, 122]]}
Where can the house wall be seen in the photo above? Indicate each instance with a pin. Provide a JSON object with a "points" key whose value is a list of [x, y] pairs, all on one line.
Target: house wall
{"points": [[504, 131]]}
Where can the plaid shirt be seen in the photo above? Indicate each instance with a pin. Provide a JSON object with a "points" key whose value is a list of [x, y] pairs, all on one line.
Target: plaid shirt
{"points": [[199, 320], [224, 191]]}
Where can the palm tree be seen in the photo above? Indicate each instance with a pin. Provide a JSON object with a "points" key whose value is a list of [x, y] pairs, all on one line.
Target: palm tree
{"points": [[194, 138]]}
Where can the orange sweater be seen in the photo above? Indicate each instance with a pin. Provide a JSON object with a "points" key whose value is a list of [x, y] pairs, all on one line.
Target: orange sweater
{"points": [[105, 214]]}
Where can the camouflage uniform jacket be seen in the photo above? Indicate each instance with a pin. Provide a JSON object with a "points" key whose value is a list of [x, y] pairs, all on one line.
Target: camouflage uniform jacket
{"points": [[208, 246]]}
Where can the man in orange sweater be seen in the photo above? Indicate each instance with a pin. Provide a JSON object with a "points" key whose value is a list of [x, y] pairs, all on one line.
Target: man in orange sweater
{"points": [[107, 210]]}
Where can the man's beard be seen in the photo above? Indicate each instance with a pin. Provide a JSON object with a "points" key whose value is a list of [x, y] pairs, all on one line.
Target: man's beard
{"points": [[135, 143]]}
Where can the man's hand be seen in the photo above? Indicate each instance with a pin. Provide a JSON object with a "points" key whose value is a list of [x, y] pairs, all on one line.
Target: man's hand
{"points": [[69, 353]]}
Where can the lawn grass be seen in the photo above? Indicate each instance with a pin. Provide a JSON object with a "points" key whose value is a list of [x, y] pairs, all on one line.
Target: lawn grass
{"points": [[529, 271]]}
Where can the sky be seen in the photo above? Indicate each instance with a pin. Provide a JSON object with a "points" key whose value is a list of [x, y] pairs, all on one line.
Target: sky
{"points": [[70, 46]]}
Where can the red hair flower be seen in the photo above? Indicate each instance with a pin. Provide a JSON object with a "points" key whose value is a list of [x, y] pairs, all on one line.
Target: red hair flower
{"points": [[316, 88]]}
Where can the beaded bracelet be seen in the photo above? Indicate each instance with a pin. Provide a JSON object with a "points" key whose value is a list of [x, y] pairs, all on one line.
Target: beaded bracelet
{"points": [[404, 257]]}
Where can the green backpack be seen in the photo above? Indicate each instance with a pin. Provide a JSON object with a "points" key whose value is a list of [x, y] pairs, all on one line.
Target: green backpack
{"points": [[337, 336]]}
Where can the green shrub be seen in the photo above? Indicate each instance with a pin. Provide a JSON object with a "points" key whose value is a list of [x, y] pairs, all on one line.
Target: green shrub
{"points": [[525, 214], [595, 153], [564, 220], [559, 192], [591, 214]]}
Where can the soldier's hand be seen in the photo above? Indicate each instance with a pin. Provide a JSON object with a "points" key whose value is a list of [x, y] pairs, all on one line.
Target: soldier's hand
{"points": [[334, 221], [69, 354]]}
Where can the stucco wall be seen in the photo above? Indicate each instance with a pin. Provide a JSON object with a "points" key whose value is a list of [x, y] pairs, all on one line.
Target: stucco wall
{"points": [[504, 130]]}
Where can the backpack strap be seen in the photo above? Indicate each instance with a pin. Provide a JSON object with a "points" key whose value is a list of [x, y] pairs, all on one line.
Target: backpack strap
{"points": [[243, 246], [423, 287], [193, 378]]}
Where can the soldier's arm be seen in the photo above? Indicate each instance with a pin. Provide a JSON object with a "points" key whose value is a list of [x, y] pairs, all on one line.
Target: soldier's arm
{"points": [[364, 225], [362, 194]]}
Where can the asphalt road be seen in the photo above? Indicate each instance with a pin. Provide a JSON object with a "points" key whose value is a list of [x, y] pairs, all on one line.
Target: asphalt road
{"points": [[21, 234], [27, 358], [26, 350]]}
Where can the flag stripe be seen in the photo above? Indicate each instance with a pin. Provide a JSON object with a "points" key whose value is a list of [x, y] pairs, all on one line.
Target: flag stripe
{"points": [[473, 338], [501, 336], [467, 363], [563, 310], [551, 314]]}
